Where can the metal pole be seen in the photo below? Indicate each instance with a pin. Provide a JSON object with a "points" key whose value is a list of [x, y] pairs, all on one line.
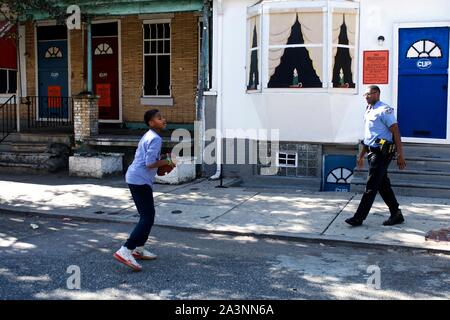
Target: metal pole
{"points": [[19, 77], [202, 84], [89, 57]]}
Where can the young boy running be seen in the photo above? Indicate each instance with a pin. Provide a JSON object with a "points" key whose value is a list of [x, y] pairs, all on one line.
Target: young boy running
{"points": [[140, 177]]}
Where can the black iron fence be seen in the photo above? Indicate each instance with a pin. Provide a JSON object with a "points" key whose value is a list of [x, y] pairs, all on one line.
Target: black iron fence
{"points": [[47, 112], [8, 117]]}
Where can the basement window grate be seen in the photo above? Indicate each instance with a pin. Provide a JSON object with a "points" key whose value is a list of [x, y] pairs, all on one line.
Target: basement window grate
{"points": [[287, 159]]}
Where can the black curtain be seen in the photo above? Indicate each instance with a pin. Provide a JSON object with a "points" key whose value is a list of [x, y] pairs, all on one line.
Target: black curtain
{"points": [[295, 58], [343, 60]]}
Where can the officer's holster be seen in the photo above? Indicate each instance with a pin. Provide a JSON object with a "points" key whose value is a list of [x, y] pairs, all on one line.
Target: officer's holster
{"points": [[387, 148]]}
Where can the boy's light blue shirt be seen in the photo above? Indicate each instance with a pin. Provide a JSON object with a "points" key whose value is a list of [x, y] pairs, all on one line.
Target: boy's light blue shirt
{"points": [[148, 152], [377, 121]]}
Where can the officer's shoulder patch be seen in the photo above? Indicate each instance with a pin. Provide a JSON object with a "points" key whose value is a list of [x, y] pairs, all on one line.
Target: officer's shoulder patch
{"points": [[389, 110]]}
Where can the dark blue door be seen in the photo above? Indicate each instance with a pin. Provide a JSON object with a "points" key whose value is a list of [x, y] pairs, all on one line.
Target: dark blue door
{"points": [[52, 76], [422, 82]]}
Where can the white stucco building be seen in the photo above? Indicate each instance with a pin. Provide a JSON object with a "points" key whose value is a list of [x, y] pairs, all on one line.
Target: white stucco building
{"points": [[302, 66]]}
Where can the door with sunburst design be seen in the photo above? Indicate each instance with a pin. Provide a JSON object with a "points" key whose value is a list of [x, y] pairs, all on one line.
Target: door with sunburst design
{"points": [[423, 82], [105, 69]]}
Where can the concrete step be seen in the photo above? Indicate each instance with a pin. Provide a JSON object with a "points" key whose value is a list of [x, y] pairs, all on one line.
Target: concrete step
{"points": [[21, 155], [427, 164], [29, 168], [279, 183], [409, 188], [420, 163], [25, 157], [19, 146], [426, 150], [23, 168], [417, 176], [40, 138]]}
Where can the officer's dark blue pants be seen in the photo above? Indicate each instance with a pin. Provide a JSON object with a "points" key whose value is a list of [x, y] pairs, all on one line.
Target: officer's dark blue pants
{"points": [[377, 181], [143, 198]]}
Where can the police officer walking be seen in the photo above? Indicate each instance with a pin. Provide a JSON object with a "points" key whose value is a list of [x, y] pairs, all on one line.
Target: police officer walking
{"points": [[381, 138]]}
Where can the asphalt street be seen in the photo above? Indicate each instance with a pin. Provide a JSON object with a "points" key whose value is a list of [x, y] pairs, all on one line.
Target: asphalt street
{"points": [[43, 263]]}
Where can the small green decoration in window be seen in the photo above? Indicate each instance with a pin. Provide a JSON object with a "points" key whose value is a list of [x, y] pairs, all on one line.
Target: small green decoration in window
{"points": [[295, 82], [295, 78], [341, 78]]}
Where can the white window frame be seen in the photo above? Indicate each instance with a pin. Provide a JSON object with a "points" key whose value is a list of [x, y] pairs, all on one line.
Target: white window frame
{"points": [[8, 94], [149, 22], [331, 9], [286, 165], [254, 12], [327, 7]]}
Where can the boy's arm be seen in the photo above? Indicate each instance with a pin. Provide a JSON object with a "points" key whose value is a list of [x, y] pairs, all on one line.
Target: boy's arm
{"points": [[152, 156], [160, 163]]}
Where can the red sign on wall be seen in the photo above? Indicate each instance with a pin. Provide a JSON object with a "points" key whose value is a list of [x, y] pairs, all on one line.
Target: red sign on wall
{"points": [[104, 91], [54, 96], [376, 67]]}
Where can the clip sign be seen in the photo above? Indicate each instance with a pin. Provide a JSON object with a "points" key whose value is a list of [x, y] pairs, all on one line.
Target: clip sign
{"points": [[376, 67]]}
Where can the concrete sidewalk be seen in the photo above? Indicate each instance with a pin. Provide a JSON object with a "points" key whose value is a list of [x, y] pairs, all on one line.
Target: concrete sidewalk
{"points": [[200, 205]]}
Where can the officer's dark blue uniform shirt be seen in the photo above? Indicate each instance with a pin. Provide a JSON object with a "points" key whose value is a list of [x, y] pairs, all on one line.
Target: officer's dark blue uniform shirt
{"points": [[377, 121]]}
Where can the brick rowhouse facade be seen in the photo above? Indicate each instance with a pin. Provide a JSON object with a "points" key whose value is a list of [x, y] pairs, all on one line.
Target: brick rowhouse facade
{"points": [[184, 67]]}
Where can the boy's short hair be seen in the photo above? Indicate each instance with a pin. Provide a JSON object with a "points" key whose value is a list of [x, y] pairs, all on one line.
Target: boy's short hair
{"points": [[149, 114]]}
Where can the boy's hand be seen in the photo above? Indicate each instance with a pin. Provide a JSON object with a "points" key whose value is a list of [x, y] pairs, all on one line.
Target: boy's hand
{"points": [[171, 162]]}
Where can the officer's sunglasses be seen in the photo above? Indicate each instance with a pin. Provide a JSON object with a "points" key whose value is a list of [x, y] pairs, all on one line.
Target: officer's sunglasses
{"points": [[369, 94]]}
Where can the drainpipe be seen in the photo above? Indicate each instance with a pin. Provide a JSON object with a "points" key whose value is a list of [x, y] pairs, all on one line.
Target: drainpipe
{"points": [[218, 42], [19, 77], [204, 71], [89, 57]]}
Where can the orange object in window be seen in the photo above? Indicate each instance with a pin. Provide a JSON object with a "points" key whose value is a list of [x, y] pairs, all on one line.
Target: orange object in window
{"points": [[104, 91], [54, 96]]}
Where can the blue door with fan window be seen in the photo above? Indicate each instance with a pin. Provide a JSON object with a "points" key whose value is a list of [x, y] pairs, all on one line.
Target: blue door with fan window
{"points": [[423, 82], [52, 72]]}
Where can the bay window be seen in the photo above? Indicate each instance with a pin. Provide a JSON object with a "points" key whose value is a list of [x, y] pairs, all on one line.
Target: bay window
{"points": [[310, 45]]}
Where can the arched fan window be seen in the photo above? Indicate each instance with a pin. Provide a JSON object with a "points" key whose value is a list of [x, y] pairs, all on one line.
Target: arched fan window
{"points": [[103, 48], [53, 52], [340, 175], [424, 49]]}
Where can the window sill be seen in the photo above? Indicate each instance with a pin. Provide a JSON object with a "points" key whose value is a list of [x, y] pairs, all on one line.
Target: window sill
{"points": [[348, 91], [157, 101], [5, 96]]}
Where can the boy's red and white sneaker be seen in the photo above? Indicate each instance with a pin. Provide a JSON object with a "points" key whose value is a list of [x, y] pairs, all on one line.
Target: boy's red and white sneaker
{"points": [[142, 254], [124, 256]]}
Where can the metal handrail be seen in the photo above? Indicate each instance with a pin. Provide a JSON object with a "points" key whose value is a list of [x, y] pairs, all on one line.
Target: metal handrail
{"points": [[48, 111], [8, 117]]}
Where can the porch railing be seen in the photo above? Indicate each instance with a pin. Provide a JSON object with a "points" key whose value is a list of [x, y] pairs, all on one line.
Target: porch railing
{"points": [[8, 117], [49, 112]]}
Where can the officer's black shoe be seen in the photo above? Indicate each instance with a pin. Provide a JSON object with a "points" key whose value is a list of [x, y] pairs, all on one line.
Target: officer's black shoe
{"points": [[394, 219], [354, 221]]}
